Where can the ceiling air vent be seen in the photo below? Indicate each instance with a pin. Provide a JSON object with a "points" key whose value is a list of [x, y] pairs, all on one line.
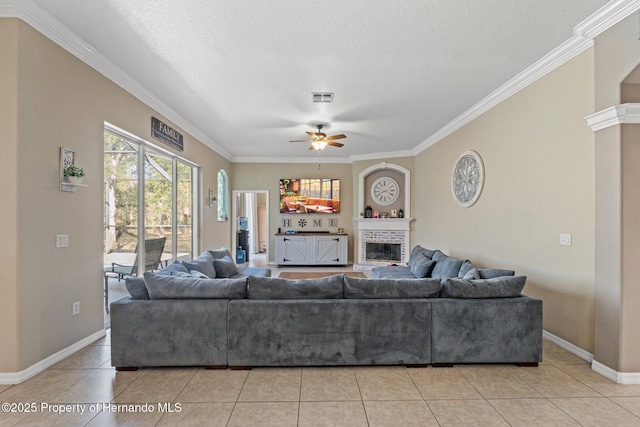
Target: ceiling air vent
{"points": [[322, 97]]}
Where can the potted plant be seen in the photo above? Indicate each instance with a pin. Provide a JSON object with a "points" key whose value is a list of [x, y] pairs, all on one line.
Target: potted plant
{"points": [[74, 174]]}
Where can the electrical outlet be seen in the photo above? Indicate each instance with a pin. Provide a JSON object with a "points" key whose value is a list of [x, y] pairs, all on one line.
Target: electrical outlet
{"points": [[565, 239], [62, 240], [76, 308]]}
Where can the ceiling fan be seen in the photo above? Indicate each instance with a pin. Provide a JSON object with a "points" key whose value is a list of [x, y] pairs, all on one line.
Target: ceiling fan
{"points": [[320, 140]]}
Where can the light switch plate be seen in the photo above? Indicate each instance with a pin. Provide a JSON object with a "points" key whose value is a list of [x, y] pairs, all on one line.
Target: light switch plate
{"points": [[565, 239], [62, 240]]}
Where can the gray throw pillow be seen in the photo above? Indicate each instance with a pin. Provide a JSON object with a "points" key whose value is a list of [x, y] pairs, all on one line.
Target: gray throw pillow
{"points": [[490, 273], [198, 275], [464, 269], [203, 264], [472, 274], [446, 267], [422, 266], [356, 288], [174, 269], [220, 253], [499, 287], [168, 287], [225, 267], [136, 287], [266, 288], [416, 252]]}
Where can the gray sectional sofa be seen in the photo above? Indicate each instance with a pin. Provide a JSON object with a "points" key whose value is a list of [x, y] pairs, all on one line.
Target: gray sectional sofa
{"points": [[338, 320]]}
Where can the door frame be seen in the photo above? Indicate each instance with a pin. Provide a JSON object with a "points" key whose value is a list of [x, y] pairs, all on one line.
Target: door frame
{"points": [[234, 216]]}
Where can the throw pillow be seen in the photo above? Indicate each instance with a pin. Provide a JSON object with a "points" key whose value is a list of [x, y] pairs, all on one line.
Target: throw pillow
{"points": [[174, 269], [136, 287], [490, 273], [422, 266], [266, 288], [499, 287], [446, 267], [356, 288], [203, 264], [419, 250], [198, 275], [225, 267], [220, 253], [472, 274], [466, 266], [167, 287]]}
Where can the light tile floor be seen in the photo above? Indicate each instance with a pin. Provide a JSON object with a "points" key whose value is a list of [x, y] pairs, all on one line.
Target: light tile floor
{"points": [[84, 390], [562, 391]]}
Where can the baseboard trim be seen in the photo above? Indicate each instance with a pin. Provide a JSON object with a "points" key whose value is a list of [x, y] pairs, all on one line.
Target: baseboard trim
{"points": [[573, 349], [605, 371], [624, 378], [7, 378]]}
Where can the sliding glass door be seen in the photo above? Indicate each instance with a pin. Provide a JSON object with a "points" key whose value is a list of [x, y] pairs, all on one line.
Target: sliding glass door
{"points": [[149, 192]]}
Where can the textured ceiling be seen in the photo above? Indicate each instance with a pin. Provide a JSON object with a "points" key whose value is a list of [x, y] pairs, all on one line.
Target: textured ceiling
{"points": [[242, 72]]}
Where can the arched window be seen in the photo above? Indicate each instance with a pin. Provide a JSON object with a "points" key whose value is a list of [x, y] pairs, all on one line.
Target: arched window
{"points": [[223, 195]]}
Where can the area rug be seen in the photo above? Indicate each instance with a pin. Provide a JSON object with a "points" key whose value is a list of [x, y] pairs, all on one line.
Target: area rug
{"points": [[316, 274]]}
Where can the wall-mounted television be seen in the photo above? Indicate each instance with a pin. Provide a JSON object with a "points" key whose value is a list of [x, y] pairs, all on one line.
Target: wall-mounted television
{"points": [[309, 195]]}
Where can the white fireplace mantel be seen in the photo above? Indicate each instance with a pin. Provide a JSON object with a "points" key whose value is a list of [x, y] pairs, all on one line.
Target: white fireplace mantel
{"points": [[383, 223]]}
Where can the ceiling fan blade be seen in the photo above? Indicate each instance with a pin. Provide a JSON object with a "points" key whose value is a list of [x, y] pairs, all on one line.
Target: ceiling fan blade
{"points": [[335, 144], [334, 137], [302, 140], [313, 135]]}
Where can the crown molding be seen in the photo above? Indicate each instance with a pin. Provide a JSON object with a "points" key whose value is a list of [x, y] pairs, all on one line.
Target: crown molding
{"points": [[382, 156], [612, 116], [32, 14], [603, 19], [320, 160]]}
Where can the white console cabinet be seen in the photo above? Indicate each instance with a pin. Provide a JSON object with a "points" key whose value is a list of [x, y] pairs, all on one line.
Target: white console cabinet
{"points": [[311, 249]]}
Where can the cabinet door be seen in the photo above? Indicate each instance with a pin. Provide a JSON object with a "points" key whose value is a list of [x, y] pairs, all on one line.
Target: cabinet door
{"points": [[328, 250], [294, 250]]}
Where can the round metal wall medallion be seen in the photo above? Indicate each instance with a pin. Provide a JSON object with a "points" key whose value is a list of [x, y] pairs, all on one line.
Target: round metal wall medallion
{"points": [[385, 190], [467, 178]]}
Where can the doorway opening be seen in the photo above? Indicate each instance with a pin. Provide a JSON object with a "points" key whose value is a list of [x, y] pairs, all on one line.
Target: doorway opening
{"points": [[250, 219]]}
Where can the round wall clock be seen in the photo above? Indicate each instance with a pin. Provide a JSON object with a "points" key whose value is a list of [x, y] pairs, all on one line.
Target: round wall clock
{"points": [[385, 190], [467, 178]]}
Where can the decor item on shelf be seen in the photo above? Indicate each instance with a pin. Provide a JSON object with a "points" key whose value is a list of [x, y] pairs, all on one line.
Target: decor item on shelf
{"points": [[400, 213], [73, 174], [385, 190], [394, 213], [467, 178], [302, 222], [368, 212], [376, 214]]}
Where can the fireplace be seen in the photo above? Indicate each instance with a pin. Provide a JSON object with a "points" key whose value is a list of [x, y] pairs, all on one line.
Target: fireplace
{"points": [[383, 251]]}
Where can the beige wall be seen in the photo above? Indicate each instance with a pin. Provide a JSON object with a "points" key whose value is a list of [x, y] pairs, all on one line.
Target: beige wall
{"points": [[8, 207], [266, 176], [538, 155], [62, 102]]}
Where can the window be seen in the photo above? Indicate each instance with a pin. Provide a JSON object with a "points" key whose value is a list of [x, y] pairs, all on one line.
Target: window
{"points": [[223, 195]]}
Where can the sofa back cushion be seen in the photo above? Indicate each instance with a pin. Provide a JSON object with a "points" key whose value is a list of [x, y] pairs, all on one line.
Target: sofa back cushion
{"points": [[171, 287], [357, 288], [499, 287], [273, 288], [220, 253], [203, 264], [491, 273], [417, 251]]}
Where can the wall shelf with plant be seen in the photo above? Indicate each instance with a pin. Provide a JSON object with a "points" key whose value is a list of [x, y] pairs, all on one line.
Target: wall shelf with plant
{"points": [[70, 174]]}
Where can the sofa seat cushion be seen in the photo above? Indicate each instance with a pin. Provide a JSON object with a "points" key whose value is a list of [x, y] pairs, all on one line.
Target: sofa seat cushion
{"points": [[225, 267], [356, 288], [169, 287], [203, 264], [392, 272], [499, 287], [273, 288], [252, 271]]}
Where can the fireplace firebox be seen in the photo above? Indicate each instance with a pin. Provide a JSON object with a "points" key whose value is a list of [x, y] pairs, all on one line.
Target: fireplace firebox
{"points": [[382, 251]]}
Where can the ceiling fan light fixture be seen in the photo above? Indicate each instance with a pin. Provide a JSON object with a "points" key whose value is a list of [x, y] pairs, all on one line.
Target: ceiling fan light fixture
{"points": [[319, 145]]}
